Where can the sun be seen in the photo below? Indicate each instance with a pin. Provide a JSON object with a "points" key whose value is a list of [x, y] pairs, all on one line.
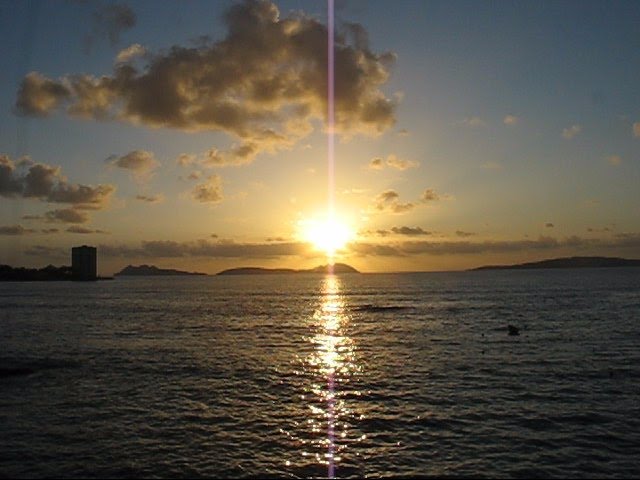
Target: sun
{"points": [[328, 235]]}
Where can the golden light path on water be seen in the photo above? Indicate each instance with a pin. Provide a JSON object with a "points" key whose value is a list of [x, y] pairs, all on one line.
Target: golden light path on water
{"points": [[327, 378], [333, 361]]}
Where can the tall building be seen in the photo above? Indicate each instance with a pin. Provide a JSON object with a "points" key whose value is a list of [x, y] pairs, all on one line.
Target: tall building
{"points": [[84, 264]]}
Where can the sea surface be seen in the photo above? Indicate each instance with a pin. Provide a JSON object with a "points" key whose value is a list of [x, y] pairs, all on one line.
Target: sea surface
{"points": [[370, 375]]}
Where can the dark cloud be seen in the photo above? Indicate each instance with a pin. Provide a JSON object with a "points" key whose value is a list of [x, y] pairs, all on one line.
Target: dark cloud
{"points": [[205, 248], [46, 183], [388, 196], [14, 230], [110, 21], [209, 191], [150, 198], [549, 225], [49, 230], [373, 233], [429, 195], [83, 230], [265, 83], [392, 161], [66, 215], [462, 233], [376, 163], [242, 154], [389, 201], [411, 231], [46, 251], [136, 161], [629, 241]]}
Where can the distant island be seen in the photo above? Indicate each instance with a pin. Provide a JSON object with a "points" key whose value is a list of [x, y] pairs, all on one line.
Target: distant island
{"points": [[46, 274], [568, 262], [152, 270], [337, 268]]}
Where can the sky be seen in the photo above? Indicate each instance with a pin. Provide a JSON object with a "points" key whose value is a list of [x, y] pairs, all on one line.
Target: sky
{"points": [[194, 134]]}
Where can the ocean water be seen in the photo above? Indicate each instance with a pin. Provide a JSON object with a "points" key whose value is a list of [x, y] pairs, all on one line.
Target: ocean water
{"points": [[372, 375]]}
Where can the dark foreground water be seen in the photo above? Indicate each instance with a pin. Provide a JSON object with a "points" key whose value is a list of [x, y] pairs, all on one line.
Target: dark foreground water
{"points": [[298, 376]]}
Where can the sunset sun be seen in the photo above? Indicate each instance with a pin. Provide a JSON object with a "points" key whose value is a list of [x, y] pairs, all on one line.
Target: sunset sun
{"points": [[327, 235]]}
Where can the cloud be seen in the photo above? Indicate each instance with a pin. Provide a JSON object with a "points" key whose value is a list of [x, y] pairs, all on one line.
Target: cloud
{"points": [[38, 96], [474, 122], [392, 161], [14, 230], [209, 191], [398, 207], [614, 160], [241, 154], [429, 195], [389, 201], [375, 233], [411, 231], [133, 51], [387, 196], [599, 230], [549, 225], [185, 159], [354, 191], [46, 251], [205, 248], [376, 163], [111, 21], [150, 198], [511, 120], [264, 83], [403, 132], [66, 215], [571, 131], [636, 129], [462, 233], [46, 183], [400, 164], [49, 230], [238, 155], [83, 230], [409, 248], [139, 162]]}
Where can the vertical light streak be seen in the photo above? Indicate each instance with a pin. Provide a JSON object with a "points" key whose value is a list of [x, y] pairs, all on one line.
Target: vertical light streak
{"points": [[330, 195], [330, 110]]}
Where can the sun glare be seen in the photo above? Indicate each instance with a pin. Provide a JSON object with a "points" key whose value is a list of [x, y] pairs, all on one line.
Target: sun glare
{"points": [[328, 235]]}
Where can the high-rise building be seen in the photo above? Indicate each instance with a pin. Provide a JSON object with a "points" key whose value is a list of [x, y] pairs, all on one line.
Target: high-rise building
{"points": [[84, 263]]}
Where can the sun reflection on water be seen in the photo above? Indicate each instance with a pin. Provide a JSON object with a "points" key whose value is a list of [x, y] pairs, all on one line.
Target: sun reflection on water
{"points": [[327, 416], [332, 363]]}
